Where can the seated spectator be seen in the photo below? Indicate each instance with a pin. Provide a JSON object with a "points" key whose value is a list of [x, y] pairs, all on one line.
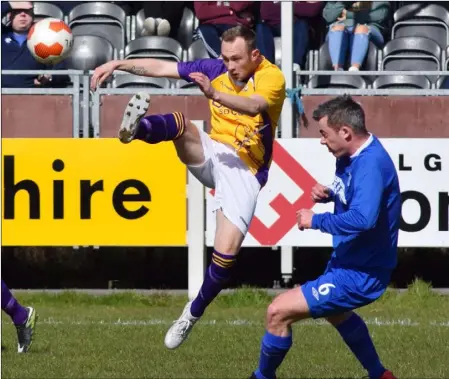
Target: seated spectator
{"points": [[351, 26], [162, 18], [15, 53], [270, 27], [216, 17]]}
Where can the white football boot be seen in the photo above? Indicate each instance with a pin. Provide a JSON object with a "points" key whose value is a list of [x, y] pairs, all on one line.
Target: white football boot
{"points": [[181, 328], [135, 110]]}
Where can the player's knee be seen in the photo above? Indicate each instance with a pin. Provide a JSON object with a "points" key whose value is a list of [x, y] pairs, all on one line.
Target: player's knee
{"points": [[276, 315]]}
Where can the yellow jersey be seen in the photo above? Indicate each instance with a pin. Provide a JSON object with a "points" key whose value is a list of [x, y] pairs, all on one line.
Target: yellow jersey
{"points": [[252, 137]]}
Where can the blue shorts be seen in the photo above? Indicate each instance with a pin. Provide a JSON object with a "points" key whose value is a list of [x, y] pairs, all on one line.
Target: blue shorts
{"points": [[341, 290]]}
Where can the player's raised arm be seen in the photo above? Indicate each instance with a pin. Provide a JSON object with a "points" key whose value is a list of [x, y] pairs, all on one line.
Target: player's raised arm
{"points": [[144, 67]]}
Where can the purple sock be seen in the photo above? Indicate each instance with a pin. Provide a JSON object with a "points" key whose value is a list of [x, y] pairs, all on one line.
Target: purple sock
{"points": [[12, 307], [161, 127], [217, 275]]}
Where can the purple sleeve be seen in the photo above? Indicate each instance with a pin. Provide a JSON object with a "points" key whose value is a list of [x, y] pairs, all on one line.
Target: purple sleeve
{"points": [[209, 67]]}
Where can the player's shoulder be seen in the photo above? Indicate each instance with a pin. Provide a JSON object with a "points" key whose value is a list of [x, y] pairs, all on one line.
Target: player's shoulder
{"points": [[267, 68], [376, 158]]}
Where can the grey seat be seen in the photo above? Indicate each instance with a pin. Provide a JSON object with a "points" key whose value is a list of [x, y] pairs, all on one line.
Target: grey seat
{"points": [[411, 54], [197, 50], [186, 28], [402, 81], [337, 81], [422, 20], [154, 47], [140, 18], [183, 84], [100, 19], [446, 63], [43, 10], [135, 81], [277, 51], [89, 52]]}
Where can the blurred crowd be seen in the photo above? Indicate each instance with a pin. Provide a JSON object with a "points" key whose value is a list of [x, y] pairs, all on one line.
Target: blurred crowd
{"points": [[347, 27]]}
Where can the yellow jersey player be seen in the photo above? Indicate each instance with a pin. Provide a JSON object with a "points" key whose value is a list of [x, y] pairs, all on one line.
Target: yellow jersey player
{"points": [[246, 94]]}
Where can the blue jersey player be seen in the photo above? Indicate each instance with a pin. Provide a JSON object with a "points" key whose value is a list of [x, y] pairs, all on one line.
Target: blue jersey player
{"points": [[364, 227]]}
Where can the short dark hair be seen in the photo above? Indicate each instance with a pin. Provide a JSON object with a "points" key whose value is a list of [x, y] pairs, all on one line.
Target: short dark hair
{"points": [[244, 32], [340, 111]]}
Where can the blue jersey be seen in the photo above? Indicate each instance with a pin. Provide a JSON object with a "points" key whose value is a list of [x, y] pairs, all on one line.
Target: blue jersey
{"points": [[365, 222]]}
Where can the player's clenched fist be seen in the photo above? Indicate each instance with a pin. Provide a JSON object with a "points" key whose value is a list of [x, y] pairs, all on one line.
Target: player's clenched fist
{"points": [[320, 193], [304, 218]]}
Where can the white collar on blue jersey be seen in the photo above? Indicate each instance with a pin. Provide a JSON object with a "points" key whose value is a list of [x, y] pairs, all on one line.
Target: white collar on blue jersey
{"points": [[363, 147]]}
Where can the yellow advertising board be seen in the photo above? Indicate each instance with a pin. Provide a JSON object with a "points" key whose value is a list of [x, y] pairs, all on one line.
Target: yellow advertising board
{"points": [[100, 192]]}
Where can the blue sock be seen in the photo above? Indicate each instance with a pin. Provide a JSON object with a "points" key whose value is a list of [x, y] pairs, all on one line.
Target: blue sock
{"points": [[273, 351], [356, 335]]}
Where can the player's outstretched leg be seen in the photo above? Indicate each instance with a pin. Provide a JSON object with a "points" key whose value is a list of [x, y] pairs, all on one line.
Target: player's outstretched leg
{"points": [[151, 129], [24, 319], [228, 240], [355, 333]]}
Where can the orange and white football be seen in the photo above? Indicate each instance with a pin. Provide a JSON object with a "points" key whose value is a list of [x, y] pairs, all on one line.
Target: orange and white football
{"points": [[50, 41]]}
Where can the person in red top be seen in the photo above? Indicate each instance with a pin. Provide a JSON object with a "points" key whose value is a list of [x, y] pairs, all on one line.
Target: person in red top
{"points": [[216, 17], [270, 27]]}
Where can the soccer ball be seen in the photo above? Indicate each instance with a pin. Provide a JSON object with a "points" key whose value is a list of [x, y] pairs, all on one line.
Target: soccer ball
{"points": [[50, 41]]}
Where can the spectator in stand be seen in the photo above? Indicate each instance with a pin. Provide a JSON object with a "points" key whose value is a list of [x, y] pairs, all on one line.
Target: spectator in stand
{"points": [[351, 26], [162, 18], [270, 27], [15, 53], [216, 17]]}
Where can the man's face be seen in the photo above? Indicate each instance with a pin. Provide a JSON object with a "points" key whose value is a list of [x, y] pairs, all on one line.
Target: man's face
{"points": [[240, 61], [335, 140], [21, 20]]}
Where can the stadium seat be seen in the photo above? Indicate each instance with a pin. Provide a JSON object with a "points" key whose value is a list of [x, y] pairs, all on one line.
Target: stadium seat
{"points": [[277, 51], [183, 84], [135, 81], [43, 10], [197, 50], [186, 28], [100, 19], [154, 47], [422, 20], [411, 54], [89, 52], [446, 63], [337, 81], [402, 81], [324, 59]]}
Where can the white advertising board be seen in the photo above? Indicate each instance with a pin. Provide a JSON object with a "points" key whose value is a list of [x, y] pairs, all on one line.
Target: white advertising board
{"points": [[423, 169]]}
